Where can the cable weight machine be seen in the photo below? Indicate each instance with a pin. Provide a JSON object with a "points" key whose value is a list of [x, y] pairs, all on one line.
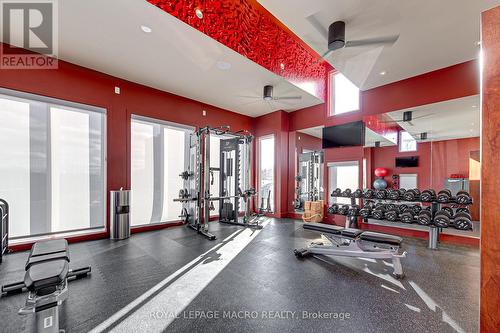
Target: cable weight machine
{"points": [[234, 181]]}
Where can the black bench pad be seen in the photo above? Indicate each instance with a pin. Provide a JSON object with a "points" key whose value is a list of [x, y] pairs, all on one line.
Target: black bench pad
{"points": [[351, 232], [322, 227], [380, 238], [47, 275], [47, 257], [49, 247]]}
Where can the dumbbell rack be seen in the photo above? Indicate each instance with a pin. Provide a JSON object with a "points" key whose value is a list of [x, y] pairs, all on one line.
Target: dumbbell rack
{"points": [[434, 231]]}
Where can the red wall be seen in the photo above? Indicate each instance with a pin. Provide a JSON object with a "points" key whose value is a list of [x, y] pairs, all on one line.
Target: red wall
{"points": [[77, 84]]}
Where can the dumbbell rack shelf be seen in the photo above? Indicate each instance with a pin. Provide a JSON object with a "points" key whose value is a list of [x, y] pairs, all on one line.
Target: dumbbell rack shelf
{"points": [[434, 231]]}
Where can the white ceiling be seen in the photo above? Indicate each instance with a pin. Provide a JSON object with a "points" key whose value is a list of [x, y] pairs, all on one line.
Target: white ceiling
{"points": [[317, 131], [174, 57], [433, 34], [453, 119]]}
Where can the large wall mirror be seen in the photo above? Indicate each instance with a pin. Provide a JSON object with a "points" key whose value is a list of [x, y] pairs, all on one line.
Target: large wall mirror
{"points": [[430, 147]]}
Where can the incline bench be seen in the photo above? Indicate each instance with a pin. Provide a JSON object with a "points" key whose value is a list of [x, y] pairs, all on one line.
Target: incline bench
{"points": [[349, 242], [46, 278]]}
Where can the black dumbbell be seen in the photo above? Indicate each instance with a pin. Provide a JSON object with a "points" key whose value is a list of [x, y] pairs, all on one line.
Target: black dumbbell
{"points": [[449, 210], [353, 210], [411, 195], [378, 212], [463, 210], [391, 206], [365, 212], [333, 209], [462, 221], [416, 209], [336, 193], [347, 192], [368, 193], [391, 215], [183, 193], [442, 218], [444, 196], [403, 208], [357, 194], [381, 194], [343, 210], [401, 192], [393, 194], [428, 195], [406, 217], [463, 198], [424, 217]]}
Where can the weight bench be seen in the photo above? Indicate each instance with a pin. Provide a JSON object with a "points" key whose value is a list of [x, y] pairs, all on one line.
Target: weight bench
{"points": [[349, 242], [46, 280]]}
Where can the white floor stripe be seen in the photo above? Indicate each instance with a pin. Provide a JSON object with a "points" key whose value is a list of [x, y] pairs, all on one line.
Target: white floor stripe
{"points": [[172, 300]]}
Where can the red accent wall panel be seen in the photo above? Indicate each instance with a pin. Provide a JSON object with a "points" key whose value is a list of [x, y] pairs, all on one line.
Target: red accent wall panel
{"points": [[249, 29]]}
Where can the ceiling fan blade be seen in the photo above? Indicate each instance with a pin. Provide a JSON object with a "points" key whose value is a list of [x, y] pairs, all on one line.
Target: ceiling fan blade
{"points": [[372, 41], [323, 56], [287, 97], [424, 116], [313, 20], [246, 96], [249, 103]]}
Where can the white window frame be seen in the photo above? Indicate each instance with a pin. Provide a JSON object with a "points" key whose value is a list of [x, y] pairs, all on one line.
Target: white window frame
{"points": [[400, 141], [71, 107], [164, 124], [259, 196], [332, 96], [332, 184]]}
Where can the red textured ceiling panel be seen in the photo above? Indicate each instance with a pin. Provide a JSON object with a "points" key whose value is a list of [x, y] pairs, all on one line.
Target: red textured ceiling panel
{"points": [[384, 126], [246, 27]]}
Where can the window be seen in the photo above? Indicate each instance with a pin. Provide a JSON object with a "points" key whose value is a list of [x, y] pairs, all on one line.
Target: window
{"points": [[406, 142], [344, 94], [408, 180], [53, 165], [157, 159], [266, 171], [342, 175]]}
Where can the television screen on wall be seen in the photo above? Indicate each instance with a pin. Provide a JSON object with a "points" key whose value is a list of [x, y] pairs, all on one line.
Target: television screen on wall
{"points": [[407, 162], [345, 135]]}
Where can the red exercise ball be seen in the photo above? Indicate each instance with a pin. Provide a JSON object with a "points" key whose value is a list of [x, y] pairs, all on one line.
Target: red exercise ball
{"points": [[380, 172]]}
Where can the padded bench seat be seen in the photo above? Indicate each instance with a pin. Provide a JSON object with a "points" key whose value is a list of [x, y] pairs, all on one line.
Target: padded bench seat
{"points": [[380, 238], [354, 233], [322, 227], [49, 247], [46, 276], [45, 251]]}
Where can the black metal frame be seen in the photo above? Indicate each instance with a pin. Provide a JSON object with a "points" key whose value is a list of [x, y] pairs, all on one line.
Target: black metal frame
{"points": [[4, 229]]}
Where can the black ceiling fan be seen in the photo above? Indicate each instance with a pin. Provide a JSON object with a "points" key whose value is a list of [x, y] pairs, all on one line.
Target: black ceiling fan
{"points": [[407, 118], [268, 97], [336, 36]]}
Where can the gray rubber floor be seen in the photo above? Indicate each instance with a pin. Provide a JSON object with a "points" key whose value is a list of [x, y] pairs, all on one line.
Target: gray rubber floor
{"points": [[439, 294]]}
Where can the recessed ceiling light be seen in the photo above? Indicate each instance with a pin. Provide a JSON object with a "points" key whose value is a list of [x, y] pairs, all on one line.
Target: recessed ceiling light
{"points": [[282, 66], [478, 43], [474, 106], [383, 73], [199, 13], [146, 29], [223, 65]]}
